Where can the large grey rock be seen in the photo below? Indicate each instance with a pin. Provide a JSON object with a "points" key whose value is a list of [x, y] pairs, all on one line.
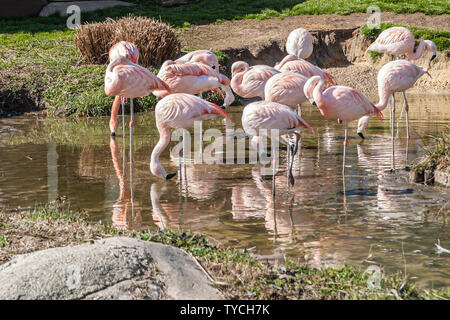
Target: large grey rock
{"points": [[113, 268], [21, 8], [85, 6]]}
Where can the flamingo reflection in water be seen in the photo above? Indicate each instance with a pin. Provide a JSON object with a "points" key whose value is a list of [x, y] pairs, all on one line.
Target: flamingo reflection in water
{"points": [[123, 216], [199, 184]]}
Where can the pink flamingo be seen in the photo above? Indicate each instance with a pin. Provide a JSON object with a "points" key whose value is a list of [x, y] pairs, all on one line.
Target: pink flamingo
{"points": [[286, 88], [300, 43], [126, 79], [193, 78], [131, 52], [395, 76], [204, 56], [261, 117], [178, 110], [339, 102], [293, 64], [249, 82], [399, 40]]}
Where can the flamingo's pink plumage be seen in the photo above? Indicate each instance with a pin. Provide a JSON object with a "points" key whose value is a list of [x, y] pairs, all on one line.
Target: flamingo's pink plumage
{"points": [[291, 63], [178, 110], [204, 56], [249, 82], [286, 88]]}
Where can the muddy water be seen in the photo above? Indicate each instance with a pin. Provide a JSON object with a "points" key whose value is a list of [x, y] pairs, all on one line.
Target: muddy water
{"points": [[371, 216]]}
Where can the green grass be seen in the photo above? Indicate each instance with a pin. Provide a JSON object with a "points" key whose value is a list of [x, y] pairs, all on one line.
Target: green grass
{"points": [[40, 65], [237, 273], [206, 11], [3, 241]]}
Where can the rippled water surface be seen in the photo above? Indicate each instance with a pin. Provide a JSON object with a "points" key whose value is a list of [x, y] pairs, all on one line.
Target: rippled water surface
{"points": [[371, 216]]}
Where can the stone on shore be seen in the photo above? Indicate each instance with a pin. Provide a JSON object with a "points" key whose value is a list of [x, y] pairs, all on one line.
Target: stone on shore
{"points": [[112, 268]]}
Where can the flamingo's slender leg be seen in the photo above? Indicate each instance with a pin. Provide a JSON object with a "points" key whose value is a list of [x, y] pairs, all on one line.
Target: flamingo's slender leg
{"points": [[345, 148], [407, 115], [392, 129]]}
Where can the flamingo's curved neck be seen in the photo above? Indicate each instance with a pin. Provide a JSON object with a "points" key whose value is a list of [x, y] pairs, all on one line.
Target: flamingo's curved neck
{"points": [[236, 83], [318, 93], [164, 139], [286, 59], [383, 101], [414, 55]]}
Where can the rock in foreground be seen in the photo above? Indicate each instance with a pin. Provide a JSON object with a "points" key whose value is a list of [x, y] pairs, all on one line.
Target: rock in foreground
{"points": [[113, 268]]}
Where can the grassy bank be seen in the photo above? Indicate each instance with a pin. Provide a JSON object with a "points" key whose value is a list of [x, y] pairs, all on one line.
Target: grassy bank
{"points": [[41, 68], [237, 273], [437, 157], [206, 11]]}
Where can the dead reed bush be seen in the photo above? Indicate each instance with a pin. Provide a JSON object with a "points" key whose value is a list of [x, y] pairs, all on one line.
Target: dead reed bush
{"points": [[155, 40]]}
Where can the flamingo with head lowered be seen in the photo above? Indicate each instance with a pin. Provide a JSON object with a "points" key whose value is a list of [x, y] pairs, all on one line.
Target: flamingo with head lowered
{"points": [[262, 117], [399, 40], [178, 110], [339, 102]]}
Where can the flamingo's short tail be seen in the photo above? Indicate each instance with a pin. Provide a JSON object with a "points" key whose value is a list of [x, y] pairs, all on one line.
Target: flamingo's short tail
{"points": [[217, 110], [305, 124]]}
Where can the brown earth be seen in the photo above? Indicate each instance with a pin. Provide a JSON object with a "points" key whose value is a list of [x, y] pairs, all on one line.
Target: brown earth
{"points": [[339, 47], [240, 33]]}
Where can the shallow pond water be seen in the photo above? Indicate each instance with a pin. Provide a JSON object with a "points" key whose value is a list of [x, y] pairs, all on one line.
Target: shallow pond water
{"points": [[375, 217]]}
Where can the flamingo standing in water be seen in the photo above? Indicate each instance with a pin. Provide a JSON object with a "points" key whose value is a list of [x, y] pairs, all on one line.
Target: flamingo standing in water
{"points": [[397, 41], [249, 82], [131, 52], [300, 43], [261, 117], [204, 56], [126, 79], [293, 64], [339, 102], [193, 78], [395, 76], [178, 110]]}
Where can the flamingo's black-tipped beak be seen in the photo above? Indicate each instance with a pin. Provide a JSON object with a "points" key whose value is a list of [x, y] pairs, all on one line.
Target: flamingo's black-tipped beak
{"points": [[433, 56], [223, 107], [314, 103], [213, 66], [361, 135], [170, 175], [113, 134]]}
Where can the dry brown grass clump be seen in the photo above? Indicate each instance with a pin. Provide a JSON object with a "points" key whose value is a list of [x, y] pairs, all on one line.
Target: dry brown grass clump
{"points": [[155, 40]]}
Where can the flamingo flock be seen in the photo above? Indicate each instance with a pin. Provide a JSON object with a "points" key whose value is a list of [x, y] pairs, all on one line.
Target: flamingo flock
{"points": [[289, 84]]}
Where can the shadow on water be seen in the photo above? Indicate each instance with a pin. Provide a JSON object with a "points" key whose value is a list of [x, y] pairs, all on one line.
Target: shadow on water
{"points": [[322, 219]]}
